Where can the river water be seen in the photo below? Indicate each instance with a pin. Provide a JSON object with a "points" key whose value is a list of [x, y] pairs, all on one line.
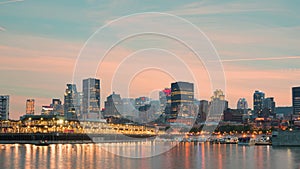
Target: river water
{"points": [[163, 155]]}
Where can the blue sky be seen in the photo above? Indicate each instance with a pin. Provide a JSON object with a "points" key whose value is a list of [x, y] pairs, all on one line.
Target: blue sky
{"points": [[258, 42]]}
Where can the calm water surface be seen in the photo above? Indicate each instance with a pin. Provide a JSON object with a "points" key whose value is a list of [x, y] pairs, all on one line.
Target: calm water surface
{"points": [[184, 155]]}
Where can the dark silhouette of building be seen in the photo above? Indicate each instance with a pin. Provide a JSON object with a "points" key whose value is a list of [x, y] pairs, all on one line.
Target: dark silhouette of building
{"points": [[4, 107], [203, 111], [269, 106], [233, 115], [296, 100], [258, 98]]}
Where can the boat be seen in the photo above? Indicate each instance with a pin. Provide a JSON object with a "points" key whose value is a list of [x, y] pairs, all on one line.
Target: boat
{"points": [[42, 143], [246, 141], [263, 140], [229, 140]]}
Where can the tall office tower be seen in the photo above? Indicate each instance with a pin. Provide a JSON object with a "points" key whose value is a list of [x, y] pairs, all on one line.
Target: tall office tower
{"points": [[203, 111], [217, 106], [70, 102], [269, 104], [296, 100], [165, 99], [182, 98], [242, 105], [258, 98], [113, 106], [30, 106], [4, 107], [91, 98]]}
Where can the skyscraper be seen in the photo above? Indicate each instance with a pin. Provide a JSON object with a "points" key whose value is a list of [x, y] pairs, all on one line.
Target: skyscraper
{"points": [[91, 98], [242, 105], [203, 111], [182, 98], [30, 106], [70, 102], [217, 106], [4, 107], [258, 98], [165, 100], [113, 106], [296, 100], [269, 104]]}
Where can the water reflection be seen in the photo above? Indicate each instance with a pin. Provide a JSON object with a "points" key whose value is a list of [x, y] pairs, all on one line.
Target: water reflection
{"points": [[184, 155]]}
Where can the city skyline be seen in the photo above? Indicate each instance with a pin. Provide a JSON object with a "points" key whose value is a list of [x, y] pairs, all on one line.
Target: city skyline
{"points": [[71, 87], [257, 43]]}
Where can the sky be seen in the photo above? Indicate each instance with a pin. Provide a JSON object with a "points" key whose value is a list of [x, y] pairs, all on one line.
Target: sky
{"points": [[46, 44]]}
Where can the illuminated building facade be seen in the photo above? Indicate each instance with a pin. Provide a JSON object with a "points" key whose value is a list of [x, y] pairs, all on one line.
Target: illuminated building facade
{"points": [[182, 98], [242, 105], [4, 107], [296, 100], [71, 107], [58, 108], [269, 105], [47, 110], [217, 106], [30, 106], [258, 98], [91, 98]]}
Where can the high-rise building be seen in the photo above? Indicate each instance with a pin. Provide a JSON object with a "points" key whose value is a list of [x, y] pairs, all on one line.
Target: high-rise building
{"points": [[217, 106], [296, 100], [4, 107], [258, 98], [203, 111], [91, 98], [113, 106], [182, 98], [71, 102], [165, 99], [242, 105], [269, 104], [30, 106]]}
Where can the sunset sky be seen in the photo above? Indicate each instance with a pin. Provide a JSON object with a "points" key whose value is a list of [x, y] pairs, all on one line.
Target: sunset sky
{"points": [[40, 44]]}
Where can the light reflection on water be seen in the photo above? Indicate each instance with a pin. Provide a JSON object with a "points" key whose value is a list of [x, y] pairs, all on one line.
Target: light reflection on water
{"points": [[184, 155]]}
